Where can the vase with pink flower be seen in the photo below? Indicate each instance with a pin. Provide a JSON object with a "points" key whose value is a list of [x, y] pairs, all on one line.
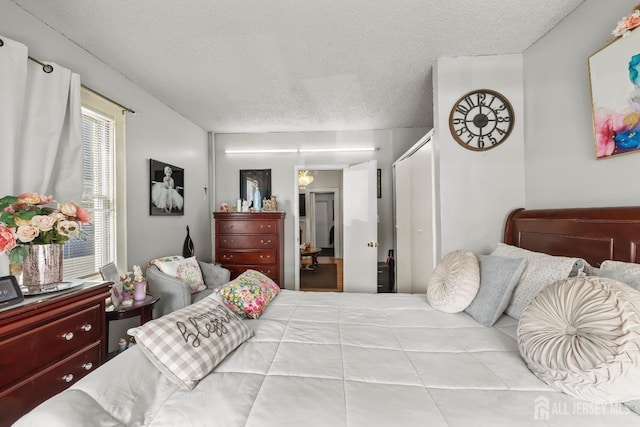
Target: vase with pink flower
{"points": [[33, 233], [139, 284], [134, 286]]}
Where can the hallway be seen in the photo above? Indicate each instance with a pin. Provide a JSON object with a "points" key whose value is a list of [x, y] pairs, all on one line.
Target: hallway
{"points": [[326, 278]]}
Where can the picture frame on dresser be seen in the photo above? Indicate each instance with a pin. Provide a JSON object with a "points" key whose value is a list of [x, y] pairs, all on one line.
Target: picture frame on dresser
{"points": [[249, 178]]}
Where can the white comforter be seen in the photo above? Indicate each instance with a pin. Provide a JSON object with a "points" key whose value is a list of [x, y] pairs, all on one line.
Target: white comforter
{"points": [[331, 359]]}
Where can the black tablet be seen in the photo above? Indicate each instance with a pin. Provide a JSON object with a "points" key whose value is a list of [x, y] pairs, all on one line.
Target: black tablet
{"points": [[10, 292]]}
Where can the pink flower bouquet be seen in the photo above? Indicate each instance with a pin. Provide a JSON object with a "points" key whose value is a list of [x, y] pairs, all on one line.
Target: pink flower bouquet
{"points": [[27, 220]]}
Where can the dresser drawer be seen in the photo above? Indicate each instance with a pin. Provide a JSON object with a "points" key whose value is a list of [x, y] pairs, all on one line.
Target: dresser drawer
{"points": [[41, 346], [264, 226], [28, 394], [247, 257], [241, 241], [271, 271]]}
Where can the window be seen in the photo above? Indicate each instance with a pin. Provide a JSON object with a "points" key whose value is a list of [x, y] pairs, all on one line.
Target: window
{"points": [[103, 144]]}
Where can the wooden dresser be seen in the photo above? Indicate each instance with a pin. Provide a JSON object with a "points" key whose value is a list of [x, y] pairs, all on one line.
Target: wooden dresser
{"points": [[251, 241], [47, 343]]}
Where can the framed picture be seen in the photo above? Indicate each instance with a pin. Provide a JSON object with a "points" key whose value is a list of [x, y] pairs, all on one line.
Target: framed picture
{"points": [[250, 179], [166, 189], [110, 273], [614, 73], [379, 182]]}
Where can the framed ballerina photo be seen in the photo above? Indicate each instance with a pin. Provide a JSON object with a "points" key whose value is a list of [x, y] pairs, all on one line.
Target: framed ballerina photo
{"points": [[166, 189]]}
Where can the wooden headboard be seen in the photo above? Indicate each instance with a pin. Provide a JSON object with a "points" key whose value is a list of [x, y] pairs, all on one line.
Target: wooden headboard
{"points": [[594, 234]]}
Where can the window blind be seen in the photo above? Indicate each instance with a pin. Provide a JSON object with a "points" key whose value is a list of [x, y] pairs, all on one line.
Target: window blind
{"points": [[85, 257]]}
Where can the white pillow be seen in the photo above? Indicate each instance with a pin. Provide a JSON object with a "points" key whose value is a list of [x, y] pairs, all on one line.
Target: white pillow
{"points": [[541, 271], [185, 269], [454, 282], [187, 344], [581, 335]]}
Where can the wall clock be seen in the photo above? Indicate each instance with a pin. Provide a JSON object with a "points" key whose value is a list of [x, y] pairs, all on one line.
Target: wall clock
{"points": [[481, 119]]}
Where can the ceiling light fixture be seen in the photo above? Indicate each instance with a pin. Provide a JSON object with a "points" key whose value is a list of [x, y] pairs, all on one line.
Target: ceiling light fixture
{"points": [[335, 150], [300, 150], [261, 151], [304, 178]]}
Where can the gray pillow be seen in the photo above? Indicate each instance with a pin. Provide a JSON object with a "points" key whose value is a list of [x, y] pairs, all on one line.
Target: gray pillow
{"points": [[498, 278], [578, 268], [629, 279], [634, 405]]}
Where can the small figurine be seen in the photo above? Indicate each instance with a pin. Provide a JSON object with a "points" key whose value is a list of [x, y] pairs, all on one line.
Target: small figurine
{"points": [[266, 205], [245, 205], [122, 345]]}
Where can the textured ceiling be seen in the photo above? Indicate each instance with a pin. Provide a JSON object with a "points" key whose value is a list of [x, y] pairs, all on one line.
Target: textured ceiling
{"points": [[293, 65]]}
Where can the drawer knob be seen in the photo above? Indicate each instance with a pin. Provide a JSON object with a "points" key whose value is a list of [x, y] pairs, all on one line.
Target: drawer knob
{"points": [[227, 256], [263, 257], [87, 366], [68, 378], [68, 336], [263, 242], [86, 327], [262, 226], [228, 241]]}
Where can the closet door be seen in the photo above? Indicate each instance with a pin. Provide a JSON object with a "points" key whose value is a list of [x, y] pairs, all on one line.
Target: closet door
{"points": [[403, 212], [414, 215], [421, 219]]}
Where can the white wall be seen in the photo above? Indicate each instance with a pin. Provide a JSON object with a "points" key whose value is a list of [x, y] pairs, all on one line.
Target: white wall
{"points": [[157, 132], [389, 143], [561, 170], [476, 189]]}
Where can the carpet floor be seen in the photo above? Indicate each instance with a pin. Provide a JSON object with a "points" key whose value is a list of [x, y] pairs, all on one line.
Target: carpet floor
{"points": [[324, 278]]}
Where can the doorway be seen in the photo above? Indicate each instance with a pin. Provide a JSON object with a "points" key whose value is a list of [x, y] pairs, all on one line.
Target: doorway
{"points": [[355, 224], [320, 232]]}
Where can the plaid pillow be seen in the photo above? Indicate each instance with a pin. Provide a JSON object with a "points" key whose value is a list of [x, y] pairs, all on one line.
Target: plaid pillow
{"points": [[187, 344], [248, 294]]}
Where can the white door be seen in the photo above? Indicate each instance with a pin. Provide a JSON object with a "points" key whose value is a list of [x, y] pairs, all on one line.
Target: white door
{"points": [[402, 206], [414, 216], [322, 223], [360, 228], [421, 219]]}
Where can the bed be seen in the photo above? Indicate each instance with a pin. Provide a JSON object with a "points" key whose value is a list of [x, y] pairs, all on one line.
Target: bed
{"points": [[340, 359]]}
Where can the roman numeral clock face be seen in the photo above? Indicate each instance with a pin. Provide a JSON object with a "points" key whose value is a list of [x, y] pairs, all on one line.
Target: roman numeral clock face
{"points": [[482, 119]]}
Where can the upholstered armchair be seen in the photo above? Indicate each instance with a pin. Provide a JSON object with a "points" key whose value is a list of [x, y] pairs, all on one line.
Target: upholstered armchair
{"points": [[176, 294]]}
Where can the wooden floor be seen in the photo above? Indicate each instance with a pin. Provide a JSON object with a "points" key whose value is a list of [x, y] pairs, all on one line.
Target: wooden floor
{"points": [[339, 276]]}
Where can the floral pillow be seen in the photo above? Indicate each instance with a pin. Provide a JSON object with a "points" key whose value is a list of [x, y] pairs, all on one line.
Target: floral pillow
{"points": [[185, 269], [248, 294]]}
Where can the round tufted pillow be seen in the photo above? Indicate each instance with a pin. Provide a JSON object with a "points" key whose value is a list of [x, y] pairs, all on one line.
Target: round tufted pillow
{"points": [[581, 335], [454, 282]]}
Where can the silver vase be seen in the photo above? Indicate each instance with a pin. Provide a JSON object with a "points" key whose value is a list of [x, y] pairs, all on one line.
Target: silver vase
{"points": [[43, 265]]}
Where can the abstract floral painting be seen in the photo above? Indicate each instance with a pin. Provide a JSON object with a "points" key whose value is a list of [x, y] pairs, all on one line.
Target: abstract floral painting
{"points": [[614, 72]]}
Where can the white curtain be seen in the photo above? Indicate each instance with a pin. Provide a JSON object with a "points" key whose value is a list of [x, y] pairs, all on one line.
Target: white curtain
{"points": [[42, 140]]}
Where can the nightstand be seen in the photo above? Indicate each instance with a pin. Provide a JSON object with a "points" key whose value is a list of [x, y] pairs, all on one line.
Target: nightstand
{"points": [[143, 308]]}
